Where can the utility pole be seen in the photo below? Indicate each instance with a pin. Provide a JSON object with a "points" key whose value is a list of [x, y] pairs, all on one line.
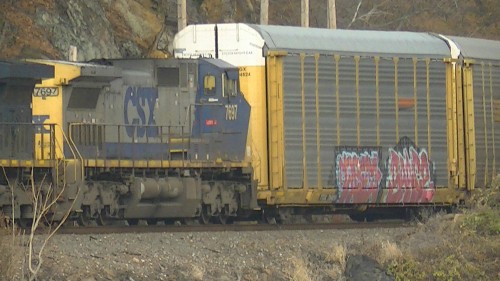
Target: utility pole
{"points": [[181, 15], [264, 12], [304, 13], [332, 14]]}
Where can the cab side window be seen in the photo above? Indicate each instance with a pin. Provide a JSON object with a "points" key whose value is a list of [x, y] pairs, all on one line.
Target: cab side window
{"points": [[229, 86], [209, 85]]}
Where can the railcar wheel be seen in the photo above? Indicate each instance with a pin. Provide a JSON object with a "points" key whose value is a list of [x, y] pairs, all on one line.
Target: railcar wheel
{"points": [[269, 218], [169, 221], [132, 222], [152, 221], [308, 218], [189, 221], [358, 217]]}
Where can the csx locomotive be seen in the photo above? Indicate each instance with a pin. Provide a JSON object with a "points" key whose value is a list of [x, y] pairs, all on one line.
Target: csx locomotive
{"points": [[252, 120]]}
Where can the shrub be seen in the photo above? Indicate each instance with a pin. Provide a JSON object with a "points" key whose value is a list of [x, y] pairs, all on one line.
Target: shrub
{"points": [[7, 255]]}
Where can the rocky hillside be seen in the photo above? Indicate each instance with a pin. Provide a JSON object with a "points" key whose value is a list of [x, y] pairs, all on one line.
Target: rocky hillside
{"points": [[145, 28]]}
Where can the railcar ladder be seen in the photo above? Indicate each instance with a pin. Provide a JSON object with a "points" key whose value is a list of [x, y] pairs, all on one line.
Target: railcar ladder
{"points": [[275, 125]]}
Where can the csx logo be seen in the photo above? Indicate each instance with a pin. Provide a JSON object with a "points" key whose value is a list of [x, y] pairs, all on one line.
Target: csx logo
{"points": [[138, 110]]}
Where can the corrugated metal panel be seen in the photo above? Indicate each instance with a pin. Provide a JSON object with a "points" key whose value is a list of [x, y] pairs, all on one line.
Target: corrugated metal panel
{"points": [[474, 48], [362, 42], [487, 122], [384, 136]]}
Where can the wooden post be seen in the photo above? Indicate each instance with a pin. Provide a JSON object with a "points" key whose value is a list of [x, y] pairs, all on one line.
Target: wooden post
{"points": [[181, 15], [264, 12], [304, 15], [73, 53], [332, 14]]}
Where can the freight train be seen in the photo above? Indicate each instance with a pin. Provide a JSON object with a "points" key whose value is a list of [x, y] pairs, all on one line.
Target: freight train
{"points": [[253, 121]]}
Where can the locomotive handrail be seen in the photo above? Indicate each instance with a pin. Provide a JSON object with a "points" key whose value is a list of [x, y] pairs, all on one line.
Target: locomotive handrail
{"points": [[74, 151], [22, 137], [105, 140]]}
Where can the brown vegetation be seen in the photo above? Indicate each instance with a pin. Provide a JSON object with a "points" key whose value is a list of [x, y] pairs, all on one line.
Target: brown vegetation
{"points": [[7, 254], [449, 247]]}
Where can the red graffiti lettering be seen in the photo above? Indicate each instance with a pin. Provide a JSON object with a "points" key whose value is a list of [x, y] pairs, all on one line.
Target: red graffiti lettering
{"points": [[407, 195], [358, 171], [409, 176], [408, 169]]}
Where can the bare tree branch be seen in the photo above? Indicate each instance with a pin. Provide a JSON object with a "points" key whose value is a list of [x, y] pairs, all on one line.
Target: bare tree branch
{"points": [[42, 204], [354, 18]]}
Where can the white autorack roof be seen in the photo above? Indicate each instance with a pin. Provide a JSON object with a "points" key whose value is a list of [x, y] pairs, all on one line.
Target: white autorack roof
{"points": [[474, 48], [248, 44], [362, 42]]}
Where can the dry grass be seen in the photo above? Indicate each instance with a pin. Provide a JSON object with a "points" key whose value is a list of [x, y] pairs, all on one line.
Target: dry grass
{"points": [[338, 257], [197, 273], [338, 254], [451, 247], [300, 271], [6, 261], [9, 255], [389, 251]]}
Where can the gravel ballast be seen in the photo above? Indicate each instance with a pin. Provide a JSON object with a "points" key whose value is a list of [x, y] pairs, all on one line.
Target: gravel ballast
{"points": [[263, 255]]}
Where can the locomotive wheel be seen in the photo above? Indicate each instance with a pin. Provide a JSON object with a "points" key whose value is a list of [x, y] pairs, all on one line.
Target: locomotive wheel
{"points": [[84, 218], [222, 219], [24, 223], [204, 216], [103, 218], [133, 222]]}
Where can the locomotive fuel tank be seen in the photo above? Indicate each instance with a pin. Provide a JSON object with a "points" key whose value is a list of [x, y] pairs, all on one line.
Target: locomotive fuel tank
{"points": [[160, 189]]}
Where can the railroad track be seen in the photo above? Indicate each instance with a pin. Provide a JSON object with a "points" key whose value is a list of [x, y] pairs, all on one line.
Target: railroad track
{"points": [[221, 228]]}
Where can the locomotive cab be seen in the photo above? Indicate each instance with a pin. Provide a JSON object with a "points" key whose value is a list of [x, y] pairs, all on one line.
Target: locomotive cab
{"points": [[222, 114]]}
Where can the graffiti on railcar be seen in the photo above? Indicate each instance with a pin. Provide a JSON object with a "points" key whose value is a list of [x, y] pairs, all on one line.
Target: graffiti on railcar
{"points": [[407, 175], [410, 174], [358, 174]]}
